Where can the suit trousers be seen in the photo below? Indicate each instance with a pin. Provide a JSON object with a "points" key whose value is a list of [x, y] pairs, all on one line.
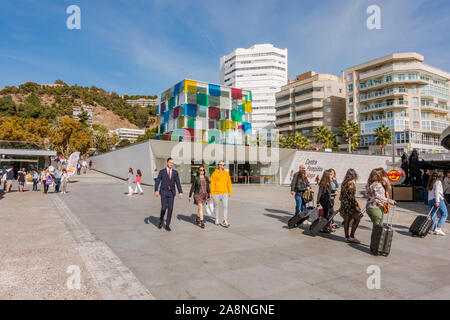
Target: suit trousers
{"points": [[167, 204]]}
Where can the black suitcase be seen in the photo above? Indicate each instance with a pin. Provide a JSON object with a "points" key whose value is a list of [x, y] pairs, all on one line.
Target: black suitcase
{"points": [[321, 223], [421, 225], [297, 219], [381, 238]]}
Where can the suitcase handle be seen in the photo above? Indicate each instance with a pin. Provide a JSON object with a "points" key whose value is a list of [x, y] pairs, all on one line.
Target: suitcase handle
{"points": [[391, 215], [431, 210]]}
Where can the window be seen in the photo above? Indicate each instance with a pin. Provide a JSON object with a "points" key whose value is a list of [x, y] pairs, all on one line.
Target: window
{"points": [[350, 88], [401, 77], [350, 109], [388, 78], [350, 99], [340, 90], [328, 89], [328, 99], [350, 77], [401, 89], [414, 89], [412, 76], [416, 113], [416, 125], [415, 102]]}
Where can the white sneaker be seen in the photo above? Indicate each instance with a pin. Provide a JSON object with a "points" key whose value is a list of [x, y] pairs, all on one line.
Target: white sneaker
{"points": [[432, 232], [440, 232]]}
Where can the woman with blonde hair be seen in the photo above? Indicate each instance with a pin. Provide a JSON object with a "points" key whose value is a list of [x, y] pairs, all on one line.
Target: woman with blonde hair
{"points": [[375, 189], [349, 206]]}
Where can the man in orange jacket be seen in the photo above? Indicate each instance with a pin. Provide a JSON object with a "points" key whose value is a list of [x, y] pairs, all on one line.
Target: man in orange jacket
{"points": [[220, 192]]}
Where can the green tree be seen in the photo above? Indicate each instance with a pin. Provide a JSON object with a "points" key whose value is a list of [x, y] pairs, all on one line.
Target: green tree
{"points": [[295, 141], [7, 106], [323, 136], [350, 129], [83, 118], [382, 137], [123, 143], [68, 136], [149, 134], [102, 140]]}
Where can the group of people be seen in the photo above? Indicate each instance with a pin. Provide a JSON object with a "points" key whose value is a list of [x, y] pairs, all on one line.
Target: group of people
{"points": [[59, 178], [218, 189], [83, 165], [378, 189]]}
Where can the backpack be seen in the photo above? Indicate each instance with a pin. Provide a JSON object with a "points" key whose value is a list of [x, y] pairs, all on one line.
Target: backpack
{"points": [[10, 175], [49, 181]]}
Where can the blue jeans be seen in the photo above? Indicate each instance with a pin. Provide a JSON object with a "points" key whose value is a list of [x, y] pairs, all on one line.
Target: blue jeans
{"points": [[443, 209], [58, 184], [300, 204], [425, 195]]}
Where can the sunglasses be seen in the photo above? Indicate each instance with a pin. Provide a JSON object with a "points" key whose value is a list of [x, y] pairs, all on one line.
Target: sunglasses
{"points": [[201, 170]]}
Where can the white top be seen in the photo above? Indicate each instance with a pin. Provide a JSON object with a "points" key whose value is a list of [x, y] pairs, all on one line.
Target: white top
{"points": [[437, 192]]}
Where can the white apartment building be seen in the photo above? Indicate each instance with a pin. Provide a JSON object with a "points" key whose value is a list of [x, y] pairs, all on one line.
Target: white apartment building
{"points": [[127, 133], [401, 92], [261, 69], [143, 102], [77, 110]]}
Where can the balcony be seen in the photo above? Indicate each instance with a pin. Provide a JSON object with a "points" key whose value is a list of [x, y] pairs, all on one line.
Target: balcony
{"points": [[285, 128], [309, 124], [384, 106], [440, 108], [309, 106], [309, 115], [283, 121], [282, 112], [381, 94], [383, 117]]}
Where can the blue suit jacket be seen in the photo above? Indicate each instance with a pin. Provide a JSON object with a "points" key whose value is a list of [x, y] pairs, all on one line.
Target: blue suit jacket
{"points": [[163, 179]]}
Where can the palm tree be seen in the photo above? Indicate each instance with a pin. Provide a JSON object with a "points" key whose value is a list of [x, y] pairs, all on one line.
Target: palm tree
{"points": [[350, 129], [382, 136], [295, 141], [323, 136]]}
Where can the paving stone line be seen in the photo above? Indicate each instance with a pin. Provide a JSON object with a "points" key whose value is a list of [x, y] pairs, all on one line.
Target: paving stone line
{"points": [[113, 279]]}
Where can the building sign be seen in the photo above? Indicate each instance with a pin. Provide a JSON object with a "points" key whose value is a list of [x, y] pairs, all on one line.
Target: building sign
{"points": [[396, 176]]}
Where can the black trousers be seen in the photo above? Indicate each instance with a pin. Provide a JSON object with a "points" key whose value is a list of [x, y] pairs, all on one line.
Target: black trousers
{"points": [[35, 184], [46, 188], [167, 204]]}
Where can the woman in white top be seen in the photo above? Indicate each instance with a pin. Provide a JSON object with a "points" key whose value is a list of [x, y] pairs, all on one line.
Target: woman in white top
{"points": [[130, 181], [64, 181], [436, 199]]}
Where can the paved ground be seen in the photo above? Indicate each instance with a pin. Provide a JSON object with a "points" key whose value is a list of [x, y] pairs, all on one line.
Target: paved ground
{"points": [[122, 255], [257, 257]]}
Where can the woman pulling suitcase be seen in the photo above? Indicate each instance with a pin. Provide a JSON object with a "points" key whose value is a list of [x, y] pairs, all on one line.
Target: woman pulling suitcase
{"points": [[324, 198], [350, 209]]}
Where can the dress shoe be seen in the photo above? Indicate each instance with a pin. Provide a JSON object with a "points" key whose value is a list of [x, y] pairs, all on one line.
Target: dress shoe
{"points": [[160, 225], [168, 228]]}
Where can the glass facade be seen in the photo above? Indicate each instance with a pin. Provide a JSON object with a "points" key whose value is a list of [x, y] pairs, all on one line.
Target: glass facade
{"points": [[205, 113]]}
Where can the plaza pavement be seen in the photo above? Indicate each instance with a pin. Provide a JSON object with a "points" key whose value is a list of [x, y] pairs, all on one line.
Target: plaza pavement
{"points": [[256, 258]]}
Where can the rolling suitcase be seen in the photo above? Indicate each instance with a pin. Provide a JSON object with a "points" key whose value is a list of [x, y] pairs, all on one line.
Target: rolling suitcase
{"points": [[381, 238], [299, 218], [422, 225], [320, 223]]}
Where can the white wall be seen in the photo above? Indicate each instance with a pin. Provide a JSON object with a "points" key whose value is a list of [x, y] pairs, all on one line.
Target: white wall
{"points": [[116, 163], [317, 162]]}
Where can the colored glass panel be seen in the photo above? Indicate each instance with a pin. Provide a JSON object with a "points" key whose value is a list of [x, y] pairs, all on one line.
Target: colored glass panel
{"points": [[191, 123], [214, 101], [176, 111], [190, 110], [214, 90], [214, 113], [236, 93], [190, 86], [202, 99]]}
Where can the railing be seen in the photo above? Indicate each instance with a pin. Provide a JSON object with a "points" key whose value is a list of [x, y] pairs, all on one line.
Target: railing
{"points": [[383, 105], [381, 93]]}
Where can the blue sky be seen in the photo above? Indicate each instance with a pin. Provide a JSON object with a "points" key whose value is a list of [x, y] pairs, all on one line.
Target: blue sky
{"points": [[144, 47]]}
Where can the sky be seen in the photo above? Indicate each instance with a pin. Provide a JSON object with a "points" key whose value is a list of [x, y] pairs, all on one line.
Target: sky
{"points": [[145, 47]]}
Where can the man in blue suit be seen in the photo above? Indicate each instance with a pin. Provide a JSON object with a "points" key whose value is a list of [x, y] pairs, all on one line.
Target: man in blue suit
{"points": [[168, 178]]}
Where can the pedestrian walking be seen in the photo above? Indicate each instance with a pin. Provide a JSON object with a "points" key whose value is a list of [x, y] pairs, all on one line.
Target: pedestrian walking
{"points": [[84, 166], [299, 185], [201, 189], [220, 192], [35, 180], [78, 167], [138, 182], [155, 175], [446, 187], [3, 178], [9, 178], [324, 197], [21, 179], [350, 208], [425, 177], [90, 164], [64, 180], [129, 181], [47, 180], [436, 201], [168, 178], [57, 174], [377, 204]]}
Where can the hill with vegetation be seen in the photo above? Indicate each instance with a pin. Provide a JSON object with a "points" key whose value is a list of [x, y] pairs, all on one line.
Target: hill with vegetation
{"points": [[32, 100]]}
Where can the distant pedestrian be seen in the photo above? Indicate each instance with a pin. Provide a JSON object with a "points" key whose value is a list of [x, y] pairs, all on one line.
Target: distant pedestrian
{"points": [[334, 193], [21, 179], [47, 180], [35, 180], [78, 167], [64, 181], [129, 181], [168, 178], [57, 173], [84, 166], [221, 191], [9, 178], [3, 178], [201, 190], [425, 177], [349, 206], [138, 182], [155, 175], [436, 201], [446, 186], [90, 164]]}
